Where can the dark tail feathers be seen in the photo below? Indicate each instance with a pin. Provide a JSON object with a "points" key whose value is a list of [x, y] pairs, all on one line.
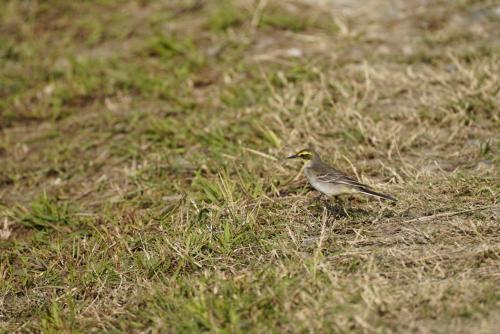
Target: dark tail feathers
{"points": [[376, 194]]}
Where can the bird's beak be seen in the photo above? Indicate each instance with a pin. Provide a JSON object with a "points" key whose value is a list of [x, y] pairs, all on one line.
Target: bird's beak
{"points": [[293, 156]]}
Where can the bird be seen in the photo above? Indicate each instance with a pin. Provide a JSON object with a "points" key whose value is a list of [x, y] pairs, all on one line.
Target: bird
{"points": [[330, 181]]}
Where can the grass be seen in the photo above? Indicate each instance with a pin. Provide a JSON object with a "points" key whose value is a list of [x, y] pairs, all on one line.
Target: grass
{"points": [[143, 185]]}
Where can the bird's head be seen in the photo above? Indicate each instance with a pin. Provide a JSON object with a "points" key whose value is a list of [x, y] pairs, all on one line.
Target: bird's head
{"points": [[306, 154]]}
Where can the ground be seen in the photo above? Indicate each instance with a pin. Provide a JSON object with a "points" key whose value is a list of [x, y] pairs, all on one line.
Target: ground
{"points": [[144, 186]]}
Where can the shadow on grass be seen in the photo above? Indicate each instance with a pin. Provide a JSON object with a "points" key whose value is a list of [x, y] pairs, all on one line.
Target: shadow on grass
{"points": [[340, 208]]}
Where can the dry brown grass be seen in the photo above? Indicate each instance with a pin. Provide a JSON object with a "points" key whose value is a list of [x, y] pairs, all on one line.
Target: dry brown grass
{"points": [[144, 188]]}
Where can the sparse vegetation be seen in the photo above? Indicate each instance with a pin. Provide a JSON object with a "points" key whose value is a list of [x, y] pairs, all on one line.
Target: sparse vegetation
{"points": [[143, 185]]}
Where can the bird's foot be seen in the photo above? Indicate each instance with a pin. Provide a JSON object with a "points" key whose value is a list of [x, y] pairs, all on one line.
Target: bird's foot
{"points": [[338, 209]]}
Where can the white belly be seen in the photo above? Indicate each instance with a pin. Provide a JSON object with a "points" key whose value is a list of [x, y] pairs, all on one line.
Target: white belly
{"points": [[330, 189]]}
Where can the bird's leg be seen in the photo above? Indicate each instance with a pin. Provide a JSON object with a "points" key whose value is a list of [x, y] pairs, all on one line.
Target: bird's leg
{"points": [[339, 202], [342, 206], [317, 199], [333, 208], [326, 203], [340, 209]]}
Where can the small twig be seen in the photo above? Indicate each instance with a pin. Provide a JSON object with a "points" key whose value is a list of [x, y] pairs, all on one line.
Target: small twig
{"points": [[299, 174], [262, 154], [256, 17], [5, 231], [183, 254], [450, 214]]}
